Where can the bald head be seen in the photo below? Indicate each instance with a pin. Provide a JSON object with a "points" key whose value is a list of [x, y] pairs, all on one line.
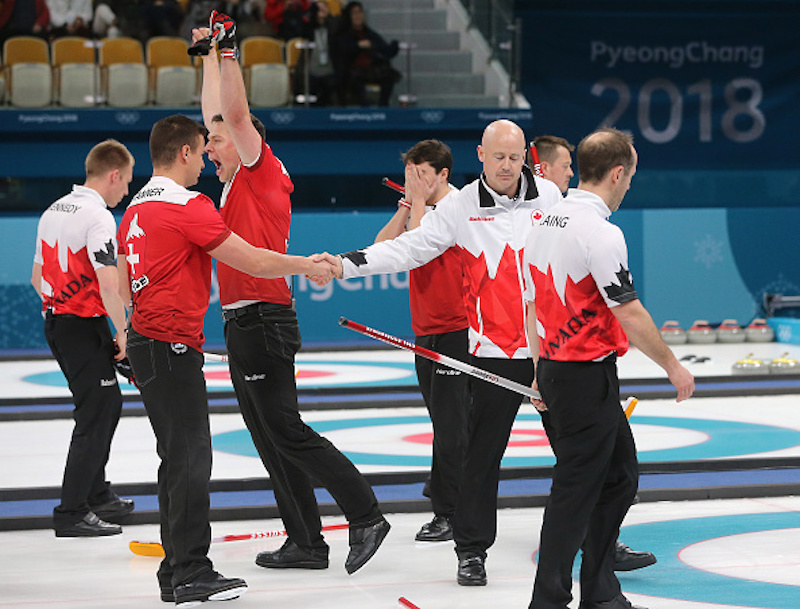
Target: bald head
{"points": [[502, 152]]}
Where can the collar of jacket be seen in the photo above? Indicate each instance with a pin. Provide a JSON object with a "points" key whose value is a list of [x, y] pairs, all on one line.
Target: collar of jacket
{"points": [[486, 196]]}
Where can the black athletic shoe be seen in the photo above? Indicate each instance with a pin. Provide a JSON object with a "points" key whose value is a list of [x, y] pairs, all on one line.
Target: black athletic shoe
{"points": [[364, 542], [167, 594], [471, 571], [113, 511], [89, 526], [626, 559], [208, 586], [619, 602], [291, 556], [438, 529]]}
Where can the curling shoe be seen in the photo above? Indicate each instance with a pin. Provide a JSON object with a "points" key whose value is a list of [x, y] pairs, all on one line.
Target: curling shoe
{"points": [[438, 529], [208, 586], [471, 570], [618, 602], [291, 556], [89, 526], [626, 559], [113, 511], [167, 594], [364, 542]]}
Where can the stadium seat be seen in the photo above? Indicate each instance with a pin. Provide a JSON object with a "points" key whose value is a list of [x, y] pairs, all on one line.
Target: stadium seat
{"points": [[123, 72], [256, 53], [261, 49], [173, 78], [294, 52], [76, 78], [269, 85], [28, 72]]}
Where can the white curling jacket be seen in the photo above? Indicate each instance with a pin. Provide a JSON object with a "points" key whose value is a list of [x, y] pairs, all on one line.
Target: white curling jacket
{"points": [[490, 231]]}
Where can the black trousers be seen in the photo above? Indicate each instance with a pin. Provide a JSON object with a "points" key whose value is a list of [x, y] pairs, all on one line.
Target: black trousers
{"points": [[261, 348], [594, 481], [84, 350], [445, 392], [492, 415], [173, 388]]}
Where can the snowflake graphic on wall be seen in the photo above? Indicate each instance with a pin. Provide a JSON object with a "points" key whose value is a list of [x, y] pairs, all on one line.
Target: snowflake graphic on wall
{"points": [[708, 251]]}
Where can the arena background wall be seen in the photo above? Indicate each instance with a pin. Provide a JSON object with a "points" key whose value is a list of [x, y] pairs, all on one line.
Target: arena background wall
{"points": [[708, 88]]}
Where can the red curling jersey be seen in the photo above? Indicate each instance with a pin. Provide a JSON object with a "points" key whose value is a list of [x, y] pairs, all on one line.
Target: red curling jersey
{"points": [[76, 235], [577, 270], [256, 206], [436, 294], [165, 235]]}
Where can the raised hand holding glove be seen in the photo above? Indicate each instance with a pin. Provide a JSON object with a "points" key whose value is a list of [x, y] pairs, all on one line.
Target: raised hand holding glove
{"points": [[223, 31]]}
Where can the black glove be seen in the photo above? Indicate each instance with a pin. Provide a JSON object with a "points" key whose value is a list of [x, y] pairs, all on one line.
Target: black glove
{"points": [[125, 369], [201, 47]]}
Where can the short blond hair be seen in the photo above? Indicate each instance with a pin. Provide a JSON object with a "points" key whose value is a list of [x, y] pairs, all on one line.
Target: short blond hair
{"points": [[107, 156]]}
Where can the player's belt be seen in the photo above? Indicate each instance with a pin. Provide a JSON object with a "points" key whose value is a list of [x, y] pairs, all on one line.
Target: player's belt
{"points": [[50, 315], [254, 309]]}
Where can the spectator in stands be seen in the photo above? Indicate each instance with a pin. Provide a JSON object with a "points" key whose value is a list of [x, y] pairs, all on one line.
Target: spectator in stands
{"points": [[196, 15], [160, 18], [23, 18], [104, 22], [288, 18], [364, 58], [249, 16], [70, 17], [321, 30]]}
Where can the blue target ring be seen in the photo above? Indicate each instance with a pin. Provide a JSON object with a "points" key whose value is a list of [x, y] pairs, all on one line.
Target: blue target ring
{"points": [[725, 439], [671, 578]]}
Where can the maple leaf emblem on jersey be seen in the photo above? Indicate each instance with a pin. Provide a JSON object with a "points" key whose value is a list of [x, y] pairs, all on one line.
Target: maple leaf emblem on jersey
{"points": [[501, 318], [106, 256], [536, 215], [358, 257], [578, 325], [71, 290], [624, 291]]}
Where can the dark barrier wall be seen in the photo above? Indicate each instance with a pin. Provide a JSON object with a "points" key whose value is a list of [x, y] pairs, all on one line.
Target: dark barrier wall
{"points": [[336, 156]]}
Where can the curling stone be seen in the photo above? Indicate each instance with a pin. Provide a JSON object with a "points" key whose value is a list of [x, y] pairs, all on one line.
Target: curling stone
{"points": [[673, 334], [759, 331], [750, 365], [729, 331], [701, 332], [784, 365]]}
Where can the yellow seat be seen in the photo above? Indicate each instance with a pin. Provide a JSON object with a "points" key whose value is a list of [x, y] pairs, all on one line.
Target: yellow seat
{"points": [[26, 49], [72, 49], [120, 50], [260, 49], [75, 75], [29, 75], [293, 52], [335, 7], [173, 76], [123, 72]]}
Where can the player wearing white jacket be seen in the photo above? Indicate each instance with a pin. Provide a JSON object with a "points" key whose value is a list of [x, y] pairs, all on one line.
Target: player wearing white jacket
{"points": [[488, 220]]}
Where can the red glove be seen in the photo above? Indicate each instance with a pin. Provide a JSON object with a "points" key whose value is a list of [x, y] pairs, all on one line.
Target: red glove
{"points": [[223, 30]]}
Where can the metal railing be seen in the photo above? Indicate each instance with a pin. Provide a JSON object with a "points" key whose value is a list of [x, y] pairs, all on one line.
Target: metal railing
{"points": [[494, 19]]}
